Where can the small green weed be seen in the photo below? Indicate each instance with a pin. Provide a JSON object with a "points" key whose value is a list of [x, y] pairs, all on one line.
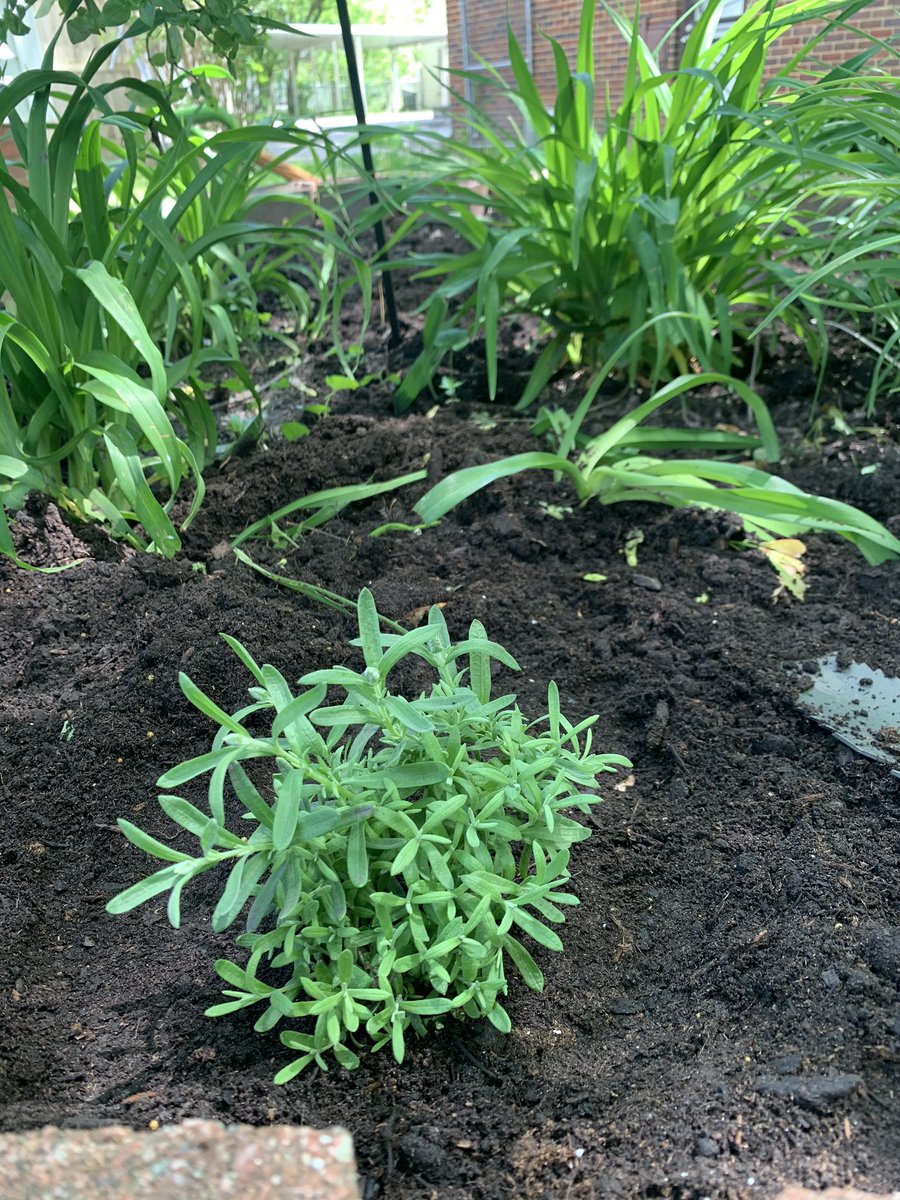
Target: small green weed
{"points": [[634, 539], [322, 507], [400, 850]]}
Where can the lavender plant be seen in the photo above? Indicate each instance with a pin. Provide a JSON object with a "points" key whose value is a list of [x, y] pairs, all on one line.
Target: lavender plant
{"points": [[402, 853]]}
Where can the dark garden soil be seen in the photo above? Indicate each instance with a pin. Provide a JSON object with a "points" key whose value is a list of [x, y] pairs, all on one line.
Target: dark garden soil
{"points": [[725, 1017]]}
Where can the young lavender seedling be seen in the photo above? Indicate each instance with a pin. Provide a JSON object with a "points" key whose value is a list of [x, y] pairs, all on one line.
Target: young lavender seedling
{"points": [[399, 851]]}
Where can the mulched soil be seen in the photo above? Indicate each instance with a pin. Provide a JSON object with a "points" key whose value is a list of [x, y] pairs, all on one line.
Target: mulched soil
{"points": [[725, 1017]]}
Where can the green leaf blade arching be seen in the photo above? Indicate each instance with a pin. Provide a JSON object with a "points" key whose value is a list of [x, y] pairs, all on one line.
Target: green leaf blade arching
{"points": [[118, 302], [458, 487]]}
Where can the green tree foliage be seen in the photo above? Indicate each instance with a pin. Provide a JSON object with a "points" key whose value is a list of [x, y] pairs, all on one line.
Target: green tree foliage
{"points": [[225, 24]]}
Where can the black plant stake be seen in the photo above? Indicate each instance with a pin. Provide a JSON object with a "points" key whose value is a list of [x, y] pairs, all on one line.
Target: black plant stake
{"points": [[360, 110]]}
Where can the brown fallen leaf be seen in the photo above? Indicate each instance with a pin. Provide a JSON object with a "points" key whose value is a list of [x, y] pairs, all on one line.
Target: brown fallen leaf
{"points": [[788, 547], [785, 556], [137, 1096], [414, 618]]}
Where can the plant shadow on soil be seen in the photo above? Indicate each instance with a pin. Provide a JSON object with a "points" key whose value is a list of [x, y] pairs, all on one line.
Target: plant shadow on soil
{"points": [[725, 1017]]}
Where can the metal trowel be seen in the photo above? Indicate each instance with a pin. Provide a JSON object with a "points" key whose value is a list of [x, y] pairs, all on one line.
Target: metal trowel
{"points": [[860, 706]]}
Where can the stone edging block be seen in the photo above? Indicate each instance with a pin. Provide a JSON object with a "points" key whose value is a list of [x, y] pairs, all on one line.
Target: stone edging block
{"points": [[196, 1160], [832, 1193]]}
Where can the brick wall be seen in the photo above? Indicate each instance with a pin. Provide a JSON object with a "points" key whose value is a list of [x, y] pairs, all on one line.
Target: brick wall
{"points": [[479, 27], [560, 18], [880, 18], [485, 23]]}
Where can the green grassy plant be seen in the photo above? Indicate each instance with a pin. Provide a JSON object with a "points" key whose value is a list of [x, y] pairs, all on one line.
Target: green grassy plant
{"points": [[710, 197], [88, 406], [398, 852], [618, 466], [130, 262], [293, 262]]}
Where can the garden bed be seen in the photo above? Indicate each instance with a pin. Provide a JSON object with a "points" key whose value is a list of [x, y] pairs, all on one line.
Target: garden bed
{"points": [[725, 1016]]}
